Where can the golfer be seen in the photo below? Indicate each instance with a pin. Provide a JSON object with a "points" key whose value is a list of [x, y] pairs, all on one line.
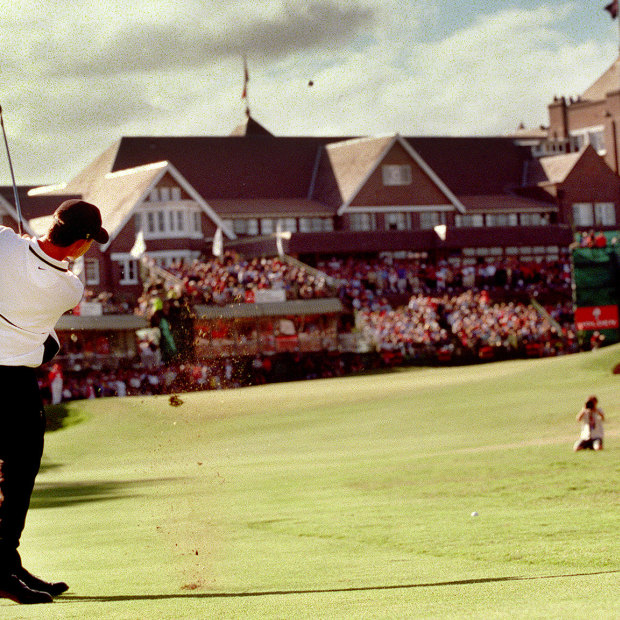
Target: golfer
{"points": [[36, 288]]}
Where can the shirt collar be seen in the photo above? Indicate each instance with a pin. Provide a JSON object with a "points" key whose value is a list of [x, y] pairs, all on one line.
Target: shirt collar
{"points": [[35, 248]]}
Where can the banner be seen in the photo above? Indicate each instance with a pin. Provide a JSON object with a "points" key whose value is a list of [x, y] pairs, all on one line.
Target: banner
{"points": [[267, 296], [591, 318]]}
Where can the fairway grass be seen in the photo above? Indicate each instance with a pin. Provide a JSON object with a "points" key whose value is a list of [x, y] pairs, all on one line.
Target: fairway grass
{"points": [[339, 498]]}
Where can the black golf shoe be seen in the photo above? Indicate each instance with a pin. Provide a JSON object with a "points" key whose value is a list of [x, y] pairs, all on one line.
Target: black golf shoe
{"points": [[34, 583], [15, 589]]}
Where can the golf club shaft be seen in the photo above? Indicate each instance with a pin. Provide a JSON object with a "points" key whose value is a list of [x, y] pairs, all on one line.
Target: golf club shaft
{"points": [[8, 155]]}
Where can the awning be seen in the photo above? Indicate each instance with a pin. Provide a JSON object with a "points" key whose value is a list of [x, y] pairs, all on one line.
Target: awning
{"points": [[104, 322], [284, 308]]}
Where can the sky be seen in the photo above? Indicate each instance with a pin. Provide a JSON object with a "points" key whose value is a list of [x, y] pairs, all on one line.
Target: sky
{"points": [[75, 77]]}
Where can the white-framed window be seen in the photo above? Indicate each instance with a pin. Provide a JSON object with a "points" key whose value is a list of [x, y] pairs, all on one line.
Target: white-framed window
{"points": [[91, 271], [161, 222], [533, 219], [501, 219], [288, 224], [176, 220], [128, 267], [590, 135], [165, 193], [397, 221], [245, 226], [475, 220], [197, 221], [396, 174], [605, 213], [583, 214], [267, 226], [165, 258], [315, 224], [362, 221], [430, 219]]}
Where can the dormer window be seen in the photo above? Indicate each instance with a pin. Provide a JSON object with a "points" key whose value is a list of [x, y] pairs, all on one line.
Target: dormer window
{"points": [[396, 174]]}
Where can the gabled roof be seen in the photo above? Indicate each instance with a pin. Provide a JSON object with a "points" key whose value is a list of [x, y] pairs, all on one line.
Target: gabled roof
{"points": [[117, 194], [505, 203], [230, 168], [264, 167], [554, 169], [352, 161], [474, 166], [263, 207], [10, 210], [606, 83], [250, 127], [101, 166], [355, 161], [32, 205]]}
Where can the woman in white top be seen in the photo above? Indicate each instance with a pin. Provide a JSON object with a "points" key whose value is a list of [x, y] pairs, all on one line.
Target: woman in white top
{"points": [[591, 418]]}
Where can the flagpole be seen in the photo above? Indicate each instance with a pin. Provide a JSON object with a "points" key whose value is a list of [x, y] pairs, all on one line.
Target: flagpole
{"points": [[246, 79]]}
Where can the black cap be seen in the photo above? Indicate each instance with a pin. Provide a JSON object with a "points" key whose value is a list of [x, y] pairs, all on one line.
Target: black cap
{"points": [[81, 220]]}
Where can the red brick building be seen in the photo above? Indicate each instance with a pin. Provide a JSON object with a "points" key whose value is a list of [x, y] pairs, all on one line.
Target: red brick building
{"points": [[464, 199]]}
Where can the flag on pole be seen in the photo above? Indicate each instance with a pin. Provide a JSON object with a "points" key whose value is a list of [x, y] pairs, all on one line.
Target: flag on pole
{"points": [[279, 245], [612, 7], [139, 247], [218, 243], [246, 79], [441, 230]]}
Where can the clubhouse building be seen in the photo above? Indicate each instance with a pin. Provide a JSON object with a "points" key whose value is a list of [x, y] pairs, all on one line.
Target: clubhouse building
{"points": [[462, 199]]}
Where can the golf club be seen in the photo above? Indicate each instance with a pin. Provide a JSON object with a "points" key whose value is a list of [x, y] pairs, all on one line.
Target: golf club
{"points": [[8, 155]]}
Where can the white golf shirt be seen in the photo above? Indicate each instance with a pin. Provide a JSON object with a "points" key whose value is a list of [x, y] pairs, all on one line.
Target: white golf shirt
{"points": [[35, 290], [595, 432]]}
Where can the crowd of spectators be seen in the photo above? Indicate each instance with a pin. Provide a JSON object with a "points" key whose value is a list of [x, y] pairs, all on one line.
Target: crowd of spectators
{"points": [[593, 239], [368, 284], [405, 310], [232, 279], [59, 386], [359, 283], [468, 325]]}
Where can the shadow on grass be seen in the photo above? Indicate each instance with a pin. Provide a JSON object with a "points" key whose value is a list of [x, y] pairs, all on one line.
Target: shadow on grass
{"points": [[206, 595], [57, 417], [54, 495]]}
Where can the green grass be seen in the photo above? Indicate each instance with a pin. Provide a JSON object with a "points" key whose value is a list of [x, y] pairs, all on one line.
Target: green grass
{"points": [[341, 498]]}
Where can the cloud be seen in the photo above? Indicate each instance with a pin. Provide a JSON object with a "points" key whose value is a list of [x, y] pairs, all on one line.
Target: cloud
{"points": [[81, 79], [483, 79], [150, 46]]}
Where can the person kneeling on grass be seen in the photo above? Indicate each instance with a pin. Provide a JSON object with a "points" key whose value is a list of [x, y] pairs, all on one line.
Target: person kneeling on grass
{"points": [[591, 418]]}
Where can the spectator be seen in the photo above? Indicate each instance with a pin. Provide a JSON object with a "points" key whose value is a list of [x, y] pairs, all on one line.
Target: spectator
{"points": [[591, 418]]}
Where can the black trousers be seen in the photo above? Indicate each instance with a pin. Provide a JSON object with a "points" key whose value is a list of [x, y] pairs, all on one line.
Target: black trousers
{"points": [[22, 429]]}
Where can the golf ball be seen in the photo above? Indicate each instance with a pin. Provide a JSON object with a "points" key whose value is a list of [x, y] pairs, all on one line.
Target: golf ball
{"points": [[474, 514]]}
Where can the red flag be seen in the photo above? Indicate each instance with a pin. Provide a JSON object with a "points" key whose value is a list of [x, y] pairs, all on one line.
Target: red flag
{"points": [[246, 78], [612, 7]]}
